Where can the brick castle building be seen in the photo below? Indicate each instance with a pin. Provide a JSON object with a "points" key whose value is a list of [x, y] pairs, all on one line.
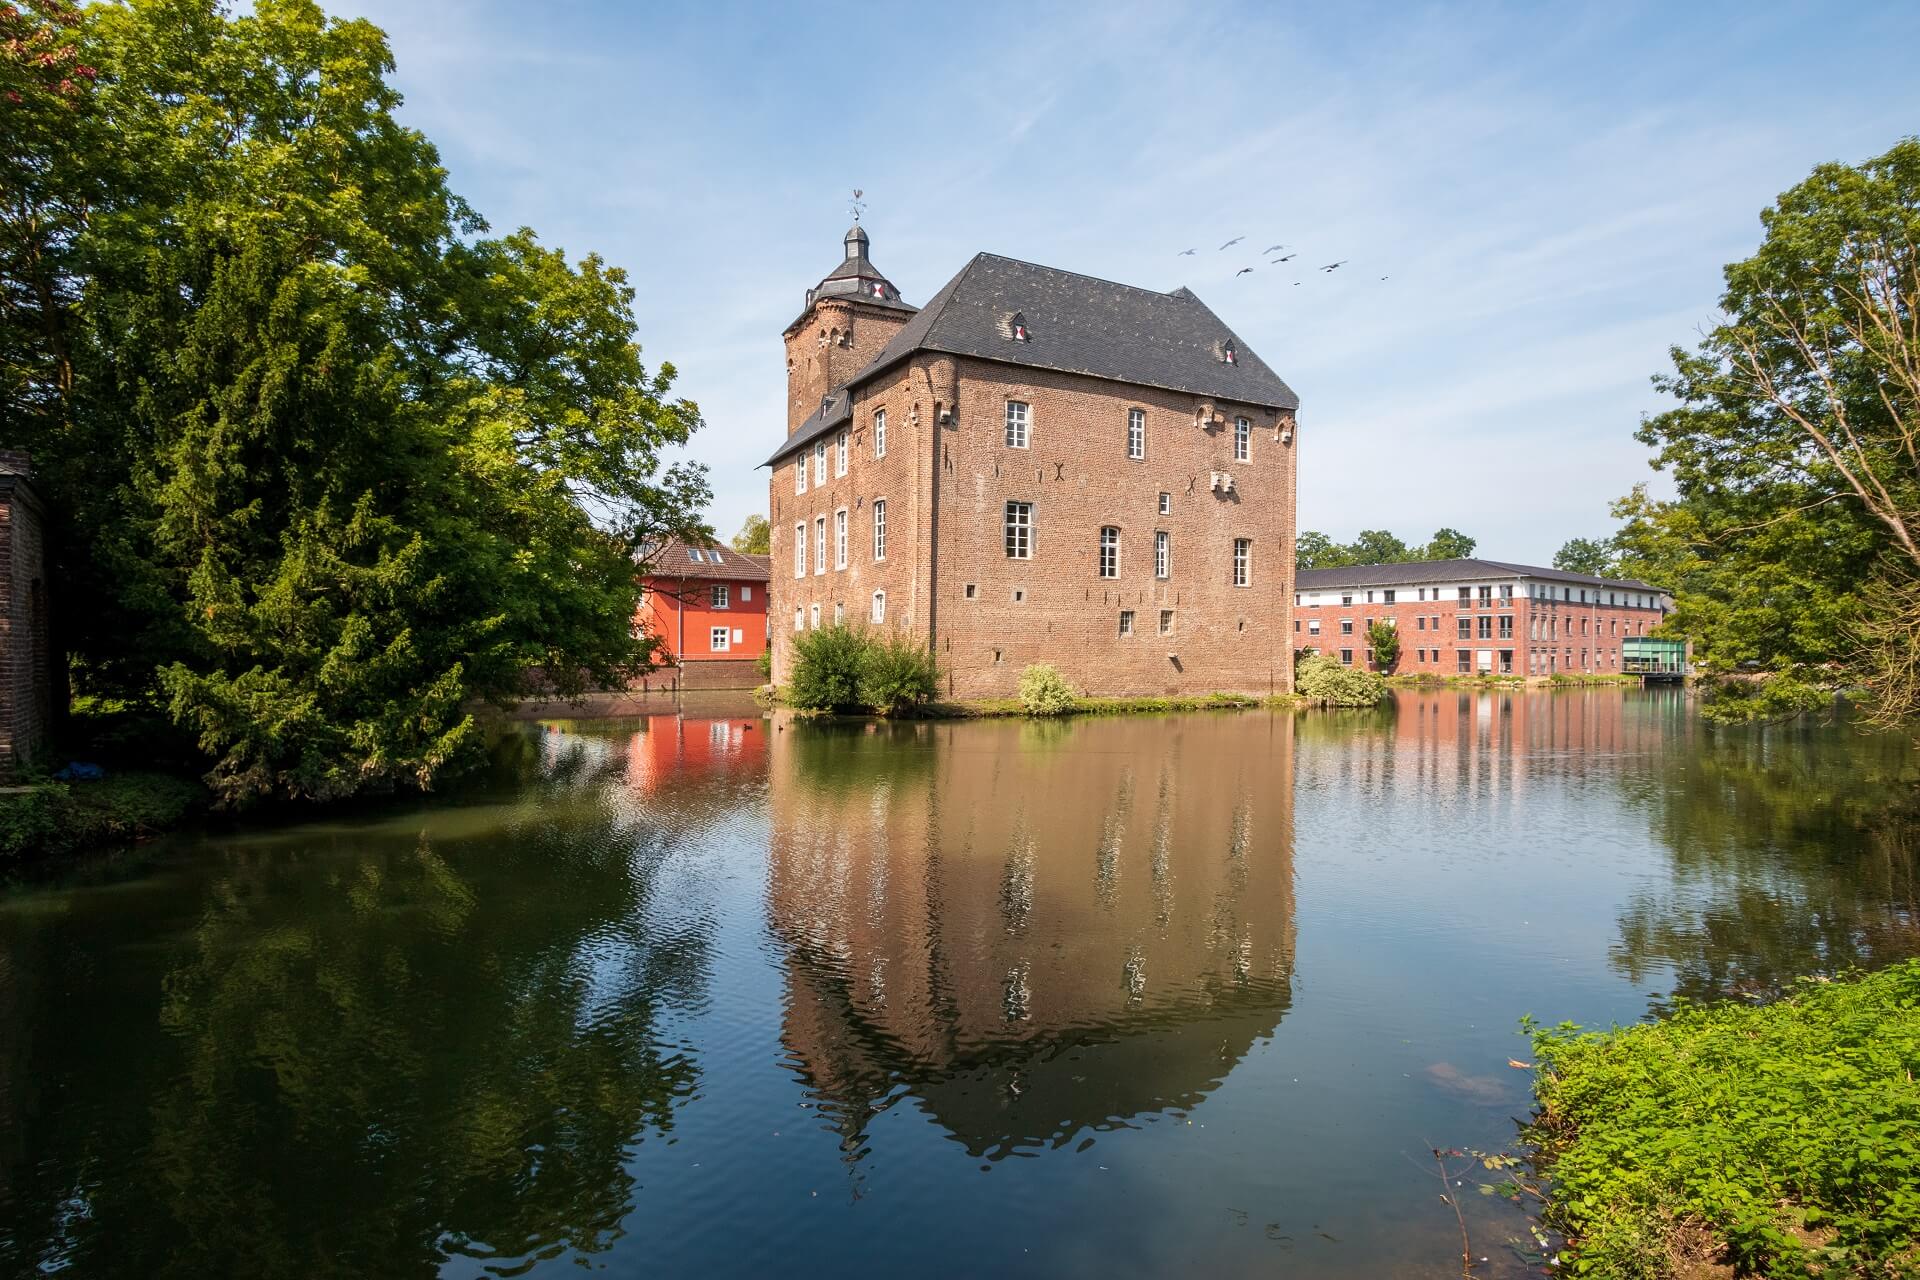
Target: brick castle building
{"points": [[26, 669], [1037, 467], [1478, 617], [708, 607]]}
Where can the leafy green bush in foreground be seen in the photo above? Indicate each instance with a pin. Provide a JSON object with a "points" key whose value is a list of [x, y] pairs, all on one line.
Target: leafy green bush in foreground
{"points": [[897, 674], [1044, 691], [58, 819], [1790, 1133], [1318, 677], [842, 668]]}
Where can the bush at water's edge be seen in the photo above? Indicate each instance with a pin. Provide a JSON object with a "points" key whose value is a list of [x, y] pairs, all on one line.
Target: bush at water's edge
{"points": [[1320, 679]]}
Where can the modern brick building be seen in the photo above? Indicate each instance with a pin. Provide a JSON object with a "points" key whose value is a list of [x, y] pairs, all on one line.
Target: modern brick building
{"points": [[26, 674], [1037, 467], [709, 606], [1476, 617]]}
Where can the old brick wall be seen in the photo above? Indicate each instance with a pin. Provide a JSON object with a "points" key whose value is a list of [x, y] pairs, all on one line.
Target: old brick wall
{"points": [[834, 341], [1567, 636], [25, 684], [1055, 607]]}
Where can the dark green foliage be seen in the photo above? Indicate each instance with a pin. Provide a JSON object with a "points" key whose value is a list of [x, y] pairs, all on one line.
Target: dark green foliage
{"points": [[1313, 550], [1737, 700], [1790, 1131], [755, 536], [827, 666], [1384, 638], [1320, 678], [1591, 556], [326, 463], [56, 819], [897, 674]]}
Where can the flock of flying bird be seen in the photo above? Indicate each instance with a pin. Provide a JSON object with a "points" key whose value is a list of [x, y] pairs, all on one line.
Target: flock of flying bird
{"points": [[1329, 267]]}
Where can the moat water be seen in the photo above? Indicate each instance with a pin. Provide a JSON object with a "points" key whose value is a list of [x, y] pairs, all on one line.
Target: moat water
{"points": [[714, 994]]}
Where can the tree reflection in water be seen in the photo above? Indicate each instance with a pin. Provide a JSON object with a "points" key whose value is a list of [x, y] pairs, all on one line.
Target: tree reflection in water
{"points": [[379, 1050]]}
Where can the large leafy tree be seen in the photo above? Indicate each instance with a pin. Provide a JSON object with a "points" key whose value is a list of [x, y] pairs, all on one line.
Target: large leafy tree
{"points": [[1592, 556], [1794, 539], [332, 463], [755, 536], [1315, 550]]}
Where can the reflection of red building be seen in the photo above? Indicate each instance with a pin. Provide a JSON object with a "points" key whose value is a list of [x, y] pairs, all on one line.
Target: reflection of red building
{"points": [[672, 748], [708, 606]]}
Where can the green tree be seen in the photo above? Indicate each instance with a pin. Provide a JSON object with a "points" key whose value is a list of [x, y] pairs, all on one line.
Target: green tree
{"points": [[1315, 550], [1449, 544], [1795, 447], [1377, 546], [1592, 556], [755, 537], [331, 463], [1384, 638]]}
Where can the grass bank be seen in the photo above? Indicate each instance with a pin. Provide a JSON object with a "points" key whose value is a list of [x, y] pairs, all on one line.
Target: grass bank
{"points": [[1733, 1140], [991, 708], [49, 820], [1562, 680]]}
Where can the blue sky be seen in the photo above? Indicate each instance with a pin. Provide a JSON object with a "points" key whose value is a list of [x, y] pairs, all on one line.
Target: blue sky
{"points": [[1551, 190]]}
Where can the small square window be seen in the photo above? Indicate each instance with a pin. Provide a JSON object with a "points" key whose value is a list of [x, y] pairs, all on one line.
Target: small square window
{"points": [[970, 590], [1019, 594]]}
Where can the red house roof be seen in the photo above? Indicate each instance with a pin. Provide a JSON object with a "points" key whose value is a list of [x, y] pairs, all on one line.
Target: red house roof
{"points": [[677, 559]]}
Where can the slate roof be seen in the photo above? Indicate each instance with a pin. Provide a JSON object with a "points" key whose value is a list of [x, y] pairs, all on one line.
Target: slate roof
{"points": [[1452, 571], [672, 561], [1075, 324]]}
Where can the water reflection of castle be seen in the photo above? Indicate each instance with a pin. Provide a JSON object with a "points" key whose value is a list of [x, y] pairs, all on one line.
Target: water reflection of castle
{"points": [[1035, 929]]}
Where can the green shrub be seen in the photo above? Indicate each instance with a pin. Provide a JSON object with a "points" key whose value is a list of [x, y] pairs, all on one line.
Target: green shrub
{"points": [[827, 664], [1044, 691], [1318, 677], [58, 819], [897, 674], [1739, 700], [765, 663], [1790, 1132]]}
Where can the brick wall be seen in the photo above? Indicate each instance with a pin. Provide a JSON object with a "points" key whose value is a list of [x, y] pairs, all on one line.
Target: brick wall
{"points": [[946, 489], [26, 693], [1540, 637]]}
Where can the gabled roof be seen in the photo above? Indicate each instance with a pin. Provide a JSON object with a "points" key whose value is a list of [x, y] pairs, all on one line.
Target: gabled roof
{"points": [[1449, 571], [1075, 324], [672, 560]]}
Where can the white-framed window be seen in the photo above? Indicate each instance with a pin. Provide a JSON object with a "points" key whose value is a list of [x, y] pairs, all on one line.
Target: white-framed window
{"points": [[1109, 552], [799, 618], [800, 474], [1020, 530], [693, 554], [819, 464], [717, 595], [1162, 553], [1242, 562], [719, 639], [819, 544], [840, 538], [1136, 433], [1166, 504], [879, 433], [1242, 440], [839, 612], [1126, 622], [879, 606], [840, 454], [879, 528], [1019, 419], [746, 594], [1166, 622], [813, 617], [1313, 626], [800, 548]]}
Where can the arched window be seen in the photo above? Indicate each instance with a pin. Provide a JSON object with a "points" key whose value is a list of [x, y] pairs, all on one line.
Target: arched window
{"points": [[879, 606]]}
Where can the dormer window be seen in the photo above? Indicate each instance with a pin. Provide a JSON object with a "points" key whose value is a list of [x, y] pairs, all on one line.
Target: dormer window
{"points": [[693, 554], [1228, 354], [1013, 326], [879, 289]]}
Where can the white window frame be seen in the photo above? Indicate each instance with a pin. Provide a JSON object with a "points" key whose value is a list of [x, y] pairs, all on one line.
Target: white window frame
{"points": [[840, 454], [1242, 440], [813, 616], [1137, 434], [800, 550], [1017, 528], [1166, 622], [1019, 424], [1108, 563], [1126, 622], [879, 613], [800, 473], [1243, 562], [1162, 553], [819, 463], [839, 612], [717, 596], [840, 538], [879, 528], [719, 639], [746, 594], [1166, 504], [819, 545], [879, 433], [799, 617]]}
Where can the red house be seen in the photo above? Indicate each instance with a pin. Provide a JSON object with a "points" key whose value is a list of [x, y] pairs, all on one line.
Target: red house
{"points": [[708, 606]]}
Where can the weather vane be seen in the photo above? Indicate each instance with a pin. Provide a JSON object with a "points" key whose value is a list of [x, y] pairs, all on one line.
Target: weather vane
{"points": [[858, 203]]}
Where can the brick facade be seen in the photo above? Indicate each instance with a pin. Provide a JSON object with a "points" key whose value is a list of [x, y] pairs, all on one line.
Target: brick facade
{"points": [[946, 477], [1477, 617], [26, 685]]}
